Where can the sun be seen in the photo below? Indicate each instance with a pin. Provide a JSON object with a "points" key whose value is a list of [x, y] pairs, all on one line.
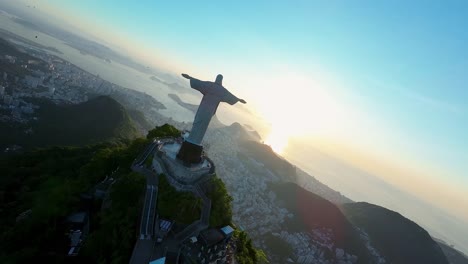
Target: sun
{"points": [[300, 105], [277, 140]]}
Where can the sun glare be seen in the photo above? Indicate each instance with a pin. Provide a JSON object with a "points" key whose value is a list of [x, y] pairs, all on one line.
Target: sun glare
{"points": [[297, 105], [278, 141]]}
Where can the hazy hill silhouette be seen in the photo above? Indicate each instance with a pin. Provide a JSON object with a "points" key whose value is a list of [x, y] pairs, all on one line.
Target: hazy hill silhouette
{"points": [[453, 256], [312, 211], [397, 238], [267, 156]]}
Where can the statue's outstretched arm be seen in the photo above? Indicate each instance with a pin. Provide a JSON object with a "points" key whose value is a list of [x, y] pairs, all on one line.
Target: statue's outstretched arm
{"points": [[186, 76], [232, 99], [196, 84]]}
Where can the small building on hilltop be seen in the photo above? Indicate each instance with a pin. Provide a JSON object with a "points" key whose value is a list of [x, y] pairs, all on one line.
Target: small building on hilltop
{"points": [[210, 246], [165, 226]]}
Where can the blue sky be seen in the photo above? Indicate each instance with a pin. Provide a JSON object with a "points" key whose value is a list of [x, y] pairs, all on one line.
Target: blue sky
{"points": [[403, 61]]}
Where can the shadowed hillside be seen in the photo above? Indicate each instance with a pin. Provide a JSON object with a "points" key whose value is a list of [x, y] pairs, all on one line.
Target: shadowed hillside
{"points": [[99, 119], [397, 238], [314, 212], [266, 155], [453, 256]]}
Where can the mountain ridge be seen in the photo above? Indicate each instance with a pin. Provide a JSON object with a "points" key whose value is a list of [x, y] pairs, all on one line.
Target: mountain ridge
{"points": [[398, 238]]}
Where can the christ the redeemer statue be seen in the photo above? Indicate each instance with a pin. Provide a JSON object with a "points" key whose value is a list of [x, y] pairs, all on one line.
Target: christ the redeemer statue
{"points": [[213, 94]]}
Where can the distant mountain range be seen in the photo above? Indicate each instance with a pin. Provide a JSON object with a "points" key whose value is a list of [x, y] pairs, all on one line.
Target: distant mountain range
{"points": [[312, 212], [371, 233], [397, 238], [454, 256]]}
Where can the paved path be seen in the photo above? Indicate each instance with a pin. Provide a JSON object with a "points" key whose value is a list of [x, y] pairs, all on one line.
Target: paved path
{"points": [[149, 212], [142, 157], [206, 210], [144, 246]]}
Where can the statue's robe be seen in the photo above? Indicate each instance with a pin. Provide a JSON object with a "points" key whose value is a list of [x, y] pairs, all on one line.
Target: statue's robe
{"points": [[213, 94]]}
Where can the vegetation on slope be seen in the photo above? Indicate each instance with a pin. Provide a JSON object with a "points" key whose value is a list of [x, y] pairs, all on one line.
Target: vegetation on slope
{"points": [[139, 119], [397, 238], [165, 130], [97, 120], [183, 207], [221, 210], [113, 239], [49, 183], [245, 251]]}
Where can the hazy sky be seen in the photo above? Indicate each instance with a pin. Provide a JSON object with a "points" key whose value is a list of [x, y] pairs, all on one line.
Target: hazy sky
{"points": [[384, 84], [402, 65]]}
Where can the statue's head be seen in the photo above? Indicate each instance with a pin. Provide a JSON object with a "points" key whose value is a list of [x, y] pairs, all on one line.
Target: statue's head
{"points": [[219, 79]]}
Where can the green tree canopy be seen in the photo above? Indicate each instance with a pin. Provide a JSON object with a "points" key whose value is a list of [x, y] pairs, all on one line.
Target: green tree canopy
{"points": [[165, 130]]}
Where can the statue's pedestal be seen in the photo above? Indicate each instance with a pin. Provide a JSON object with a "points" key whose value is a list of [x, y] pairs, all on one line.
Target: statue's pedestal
{"points": [[190, 153], [182, 175]]}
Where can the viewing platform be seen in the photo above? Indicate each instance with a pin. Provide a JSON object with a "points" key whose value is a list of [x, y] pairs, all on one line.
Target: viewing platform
{"points": [[165, 161]]}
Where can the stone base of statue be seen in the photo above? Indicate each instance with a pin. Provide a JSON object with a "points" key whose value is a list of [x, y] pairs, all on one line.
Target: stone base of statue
{"points": [[190, 153], [181, 175]]}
